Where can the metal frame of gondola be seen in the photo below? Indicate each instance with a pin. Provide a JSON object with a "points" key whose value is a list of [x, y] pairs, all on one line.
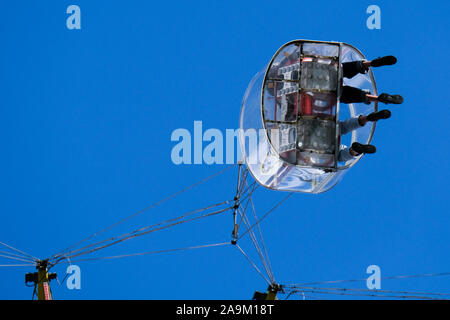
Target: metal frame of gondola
{"points": [[335, 167]]}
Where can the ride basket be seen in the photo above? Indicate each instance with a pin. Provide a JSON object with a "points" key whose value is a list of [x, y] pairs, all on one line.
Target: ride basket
{"points": [[295, 101]]}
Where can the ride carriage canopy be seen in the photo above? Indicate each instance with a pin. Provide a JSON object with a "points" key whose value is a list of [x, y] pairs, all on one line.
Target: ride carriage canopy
{"points": [[295, 103]]}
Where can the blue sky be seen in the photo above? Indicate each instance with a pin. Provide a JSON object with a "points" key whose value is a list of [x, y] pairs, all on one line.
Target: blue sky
{"points": [[87, 117]]}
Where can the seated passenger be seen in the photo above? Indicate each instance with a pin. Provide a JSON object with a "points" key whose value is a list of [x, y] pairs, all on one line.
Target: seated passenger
{"points": [[351, 124], [355, 95]]}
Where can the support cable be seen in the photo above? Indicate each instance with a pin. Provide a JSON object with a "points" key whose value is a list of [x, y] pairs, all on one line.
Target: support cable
{"points": [[253, 264], [142, 229], [139, 234], [266, 214], [363, 280], [256, 245], [262, 243], [19, 251], [369, 295], [14, 258], [143, 210], [153, 252], [380, 291], [16, 255], [246, 199]]}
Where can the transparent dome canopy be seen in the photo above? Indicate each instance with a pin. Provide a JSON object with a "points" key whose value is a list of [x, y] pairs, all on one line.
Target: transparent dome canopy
{"points": [[290, 117]]}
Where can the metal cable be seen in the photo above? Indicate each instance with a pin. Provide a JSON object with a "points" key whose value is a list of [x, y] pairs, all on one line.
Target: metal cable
{"points": [[141, 234], [246, 198], [143, 210], [153, 252], [14, 258], [383, 278], [19, 251], [262, 243], [379, 291], [17, 255], [256, 245], [369, 295], [267, 213], [142, 229], [253, 264]]}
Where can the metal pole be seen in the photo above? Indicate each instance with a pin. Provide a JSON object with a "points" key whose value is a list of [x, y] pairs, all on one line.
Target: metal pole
{"points": [[43, 285], [41, 280]]}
